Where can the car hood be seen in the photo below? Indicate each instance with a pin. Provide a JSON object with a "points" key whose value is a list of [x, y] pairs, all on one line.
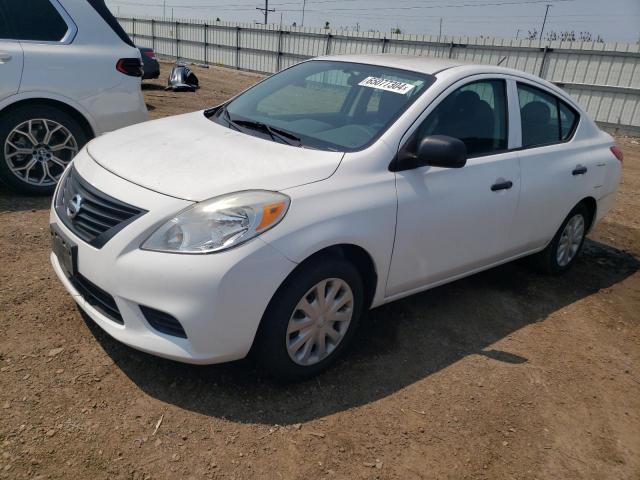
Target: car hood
{"points": [[192, 158]]}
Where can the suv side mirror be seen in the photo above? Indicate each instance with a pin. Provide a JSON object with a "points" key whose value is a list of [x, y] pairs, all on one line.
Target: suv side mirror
{"points": [[435, 150]]}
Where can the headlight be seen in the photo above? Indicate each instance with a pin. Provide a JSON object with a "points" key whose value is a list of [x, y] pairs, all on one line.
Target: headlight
{"points": [[220, 223]]}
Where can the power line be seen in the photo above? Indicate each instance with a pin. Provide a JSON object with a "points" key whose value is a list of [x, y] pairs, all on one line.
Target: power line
{"points": [[411, 7]]}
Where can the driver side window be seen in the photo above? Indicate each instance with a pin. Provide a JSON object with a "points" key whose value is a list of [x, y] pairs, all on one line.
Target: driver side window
{"points": [[475, 113]]}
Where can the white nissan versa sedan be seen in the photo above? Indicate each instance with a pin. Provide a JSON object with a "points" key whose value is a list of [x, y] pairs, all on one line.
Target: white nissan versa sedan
{"points": [[271, 223]]}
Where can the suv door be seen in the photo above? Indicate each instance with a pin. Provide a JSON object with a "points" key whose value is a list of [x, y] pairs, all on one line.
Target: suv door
{"points": [[557, 172], [11, 59], [44, 30], [453, 221]]}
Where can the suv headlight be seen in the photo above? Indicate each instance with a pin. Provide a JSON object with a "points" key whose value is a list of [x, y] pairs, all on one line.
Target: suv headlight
{"points": [[220, 223]]}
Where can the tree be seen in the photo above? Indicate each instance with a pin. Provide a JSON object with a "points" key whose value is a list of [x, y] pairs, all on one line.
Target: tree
{"points": [[294, 24], [217, 19], [396, 30], [326, 25], [532, 34]]}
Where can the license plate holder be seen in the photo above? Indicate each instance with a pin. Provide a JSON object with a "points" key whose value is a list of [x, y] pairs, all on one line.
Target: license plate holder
{"points": [[65, 250]]}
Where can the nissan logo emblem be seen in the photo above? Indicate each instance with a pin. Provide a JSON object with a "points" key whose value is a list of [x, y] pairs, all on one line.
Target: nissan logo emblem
{"points": [[74, 206]]}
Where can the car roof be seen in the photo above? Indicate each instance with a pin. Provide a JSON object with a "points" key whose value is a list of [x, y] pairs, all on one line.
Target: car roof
{"points": [[405, 62], [433, 66]]}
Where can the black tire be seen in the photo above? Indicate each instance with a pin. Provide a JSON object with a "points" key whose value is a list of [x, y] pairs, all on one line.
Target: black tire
{"points": [[14, 117], [270, 349], [546, 261]]}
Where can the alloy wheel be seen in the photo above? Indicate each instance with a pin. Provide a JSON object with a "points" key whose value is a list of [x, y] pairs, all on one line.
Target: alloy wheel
{"points": [[570, 240], [319, 321], [38, 150]]}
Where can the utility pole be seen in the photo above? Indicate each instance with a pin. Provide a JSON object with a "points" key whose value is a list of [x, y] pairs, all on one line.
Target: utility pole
{"points": [[440, 31], [164, 9], [546, 12], [266, 10], [304, 4], [517, 34]]}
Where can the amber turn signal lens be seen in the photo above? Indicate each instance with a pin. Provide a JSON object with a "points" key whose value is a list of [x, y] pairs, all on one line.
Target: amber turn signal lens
{"points": [[270, 213]]}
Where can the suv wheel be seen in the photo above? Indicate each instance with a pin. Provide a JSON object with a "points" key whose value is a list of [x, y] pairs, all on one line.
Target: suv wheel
{"points": [[36, 145]]}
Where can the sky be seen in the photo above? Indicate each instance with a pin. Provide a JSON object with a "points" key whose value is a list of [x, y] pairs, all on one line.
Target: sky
{"points": [[613, 20]]}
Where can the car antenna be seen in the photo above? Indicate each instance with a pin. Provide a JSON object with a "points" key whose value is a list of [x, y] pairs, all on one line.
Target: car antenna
{"points": [[501, 60]]}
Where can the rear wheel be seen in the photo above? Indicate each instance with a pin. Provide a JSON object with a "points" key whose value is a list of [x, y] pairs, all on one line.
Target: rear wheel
{"points": [[311, 319], [563, 250], [36, 145]]}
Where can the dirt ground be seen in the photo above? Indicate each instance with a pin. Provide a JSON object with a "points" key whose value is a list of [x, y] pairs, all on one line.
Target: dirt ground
{"points": [[506, 374]]}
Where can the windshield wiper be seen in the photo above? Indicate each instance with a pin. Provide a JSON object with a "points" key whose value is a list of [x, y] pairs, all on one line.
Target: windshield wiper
{"points": [[286, 137], [227, 117]]}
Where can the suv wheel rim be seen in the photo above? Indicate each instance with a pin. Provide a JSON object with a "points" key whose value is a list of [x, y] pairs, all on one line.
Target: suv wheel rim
{"points": [[570, 240], [320, 321], [37, 151]]}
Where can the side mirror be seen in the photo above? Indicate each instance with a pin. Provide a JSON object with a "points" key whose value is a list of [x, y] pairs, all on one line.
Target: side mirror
{"points": [[435, 150]]}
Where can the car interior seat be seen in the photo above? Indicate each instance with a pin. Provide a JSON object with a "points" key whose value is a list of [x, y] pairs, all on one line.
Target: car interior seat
{"points": [[537, 127]]}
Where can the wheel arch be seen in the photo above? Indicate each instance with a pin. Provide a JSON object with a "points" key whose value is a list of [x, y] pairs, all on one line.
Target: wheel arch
{"points": [[592, 206], [54, 103], [359, 258]]}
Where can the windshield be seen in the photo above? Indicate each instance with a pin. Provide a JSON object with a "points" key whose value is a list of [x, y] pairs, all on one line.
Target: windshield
{"points": [[325, 104]]}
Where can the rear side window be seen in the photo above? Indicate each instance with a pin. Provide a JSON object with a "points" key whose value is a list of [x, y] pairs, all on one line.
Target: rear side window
{"points": [[35, 20], [4, 25], [476, 114], [103, 11], [568, 119], [545, 118]]}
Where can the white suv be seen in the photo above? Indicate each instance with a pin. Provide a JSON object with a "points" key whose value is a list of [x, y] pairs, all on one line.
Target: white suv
{"points": [[68, 72]]}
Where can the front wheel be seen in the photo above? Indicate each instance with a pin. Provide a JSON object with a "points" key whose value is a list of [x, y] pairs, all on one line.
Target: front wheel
{"points": [[311, 319], [563, 250]]}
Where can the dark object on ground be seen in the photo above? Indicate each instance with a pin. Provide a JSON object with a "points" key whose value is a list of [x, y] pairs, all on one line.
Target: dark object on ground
{"points": [[182, 79], [150, 64]]}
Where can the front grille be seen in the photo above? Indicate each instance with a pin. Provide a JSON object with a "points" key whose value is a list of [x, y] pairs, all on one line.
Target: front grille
{"points": [[163, 322], [91, 214], [97, 298]]}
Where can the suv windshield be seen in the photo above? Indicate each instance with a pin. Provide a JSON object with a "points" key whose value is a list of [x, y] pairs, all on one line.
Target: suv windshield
{"points": [[325, 104]]}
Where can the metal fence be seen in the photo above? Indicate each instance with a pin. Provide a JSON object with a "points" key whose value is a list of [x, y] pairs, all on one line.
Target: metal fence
{"points": [[603, 77]]}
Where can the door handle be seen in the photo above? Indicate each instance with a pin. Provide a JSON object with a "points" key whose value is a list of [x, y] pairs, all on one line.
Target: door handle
{"points": [[502, 185], [5, 57], [579, 170]]}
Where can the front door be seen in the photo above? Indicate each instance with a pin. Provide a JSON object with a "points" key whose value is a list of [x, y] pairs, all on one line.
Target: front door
{"points": [[11, 60], [452, 221]]}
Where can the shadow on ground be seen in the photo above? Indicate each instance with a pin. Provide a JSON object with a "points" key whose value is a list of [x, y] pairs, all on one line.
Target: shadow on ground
{"points": [[398, 344], [15, 202], [152, 86]]}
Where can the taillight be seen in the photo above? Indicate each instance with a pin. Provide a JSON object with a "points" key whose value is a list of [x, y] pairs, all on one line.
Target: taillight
{"points": [[130, 66], [617, 152], [150, 53]]}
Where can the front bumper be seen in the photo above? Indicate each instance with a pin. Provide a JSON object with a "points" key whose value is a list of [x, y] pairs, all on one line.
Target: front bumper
{"points": [[219, 299]]}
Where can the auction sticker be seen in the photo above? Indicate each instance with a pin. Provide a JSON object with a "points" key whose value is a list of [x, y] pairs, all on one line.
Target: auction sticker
{"points": [[387, 85]]}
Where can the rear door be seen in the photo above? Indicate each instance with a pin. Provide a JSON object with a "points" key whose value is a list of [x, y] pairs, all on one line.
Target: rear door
{"points": [[558, 171], [11, 57]]}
